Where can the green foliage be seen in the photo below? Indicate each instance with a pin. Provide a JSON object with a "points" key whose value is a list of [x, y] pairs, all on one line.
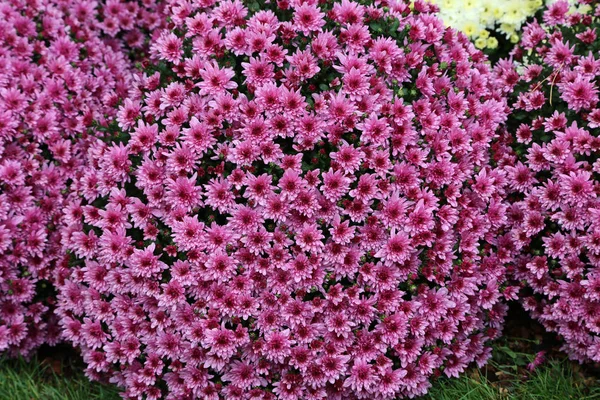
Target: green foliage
{"points": [[34, 380]]}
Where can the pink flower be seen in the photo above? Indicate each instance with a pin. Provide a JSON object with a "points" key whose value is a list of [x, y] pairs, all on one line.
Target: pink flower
{"points": [[348, 158], [183, 192], [215, 80], [556, 13], [169, 46], [397, 249], [335, 185], [577, 188], [362, 377], [579, 94], [277, 345], [220, 342], [308, 18]]}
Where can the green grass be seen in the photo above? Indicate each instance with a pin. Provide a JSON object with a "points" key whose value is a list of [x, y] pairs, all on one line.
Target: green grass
{"points": [[556, 380], [472, 387], [506, 377], [22, 380]]}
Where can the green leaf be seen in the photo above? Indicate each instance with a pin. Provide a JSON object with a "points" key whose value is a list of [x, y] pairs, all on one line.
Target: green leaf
{"points": [[509, 352], [376, 27]]}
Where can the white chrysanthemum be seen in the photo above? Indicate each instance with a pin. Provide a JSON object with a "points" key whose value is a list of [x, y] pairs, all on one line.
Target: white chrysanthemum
{"points": [[477, 18]]}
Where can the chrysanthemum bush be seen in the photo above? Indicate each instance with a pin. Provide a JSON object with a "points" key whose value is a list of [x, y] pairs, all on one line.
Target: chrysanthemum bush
{"points": [[300, 204], [294, 208], [61, 78], [553, 171]]}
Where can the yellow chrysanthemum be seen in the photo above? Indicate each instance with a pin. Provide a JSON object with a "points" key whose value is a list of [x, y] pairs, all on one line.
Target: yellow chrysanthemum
{"points": [[469, 4], [481, 43], [469, 29], [484, 34], [497, 12], [492, 43]]}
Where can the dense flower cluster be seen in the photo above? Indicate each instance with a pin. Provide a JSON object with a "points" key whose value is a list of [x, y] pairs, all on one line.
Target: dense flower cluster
{"points": [[301, 206], [481, 19], [57, 79], [128, 21], [553, 170]]}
